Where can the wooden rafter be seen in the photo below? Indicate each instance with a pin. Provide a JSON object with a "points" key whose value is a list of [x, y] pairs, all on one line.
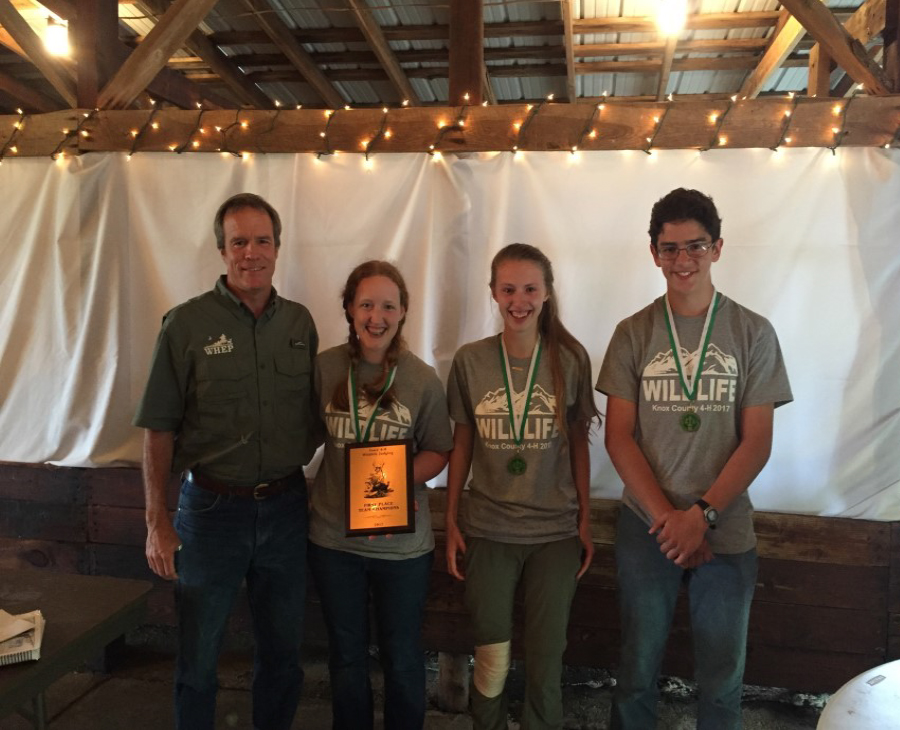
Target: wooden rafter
{"points": [[283, 37], [150, 57], [665, 67], [25, 96], [487, 90], [783, 44], [566, 6], [225, 68], [516, 29], [891, 34], [655, 48], [28, 41], [820, 63], [466, 52], [171, 86], [706, 21], [648, 66], [370, 28], [95, 28], [846, 51]]}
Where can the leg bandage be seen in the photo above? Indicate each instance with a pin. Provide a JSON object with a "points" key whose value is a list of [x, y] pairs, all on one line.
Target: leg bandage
{"points": [[491, 668]]}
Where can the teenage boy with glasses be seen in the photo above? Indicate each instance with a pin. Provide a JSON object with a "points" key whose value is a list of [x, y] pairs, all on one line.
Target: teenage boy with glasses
{"points": [[692, 382]]}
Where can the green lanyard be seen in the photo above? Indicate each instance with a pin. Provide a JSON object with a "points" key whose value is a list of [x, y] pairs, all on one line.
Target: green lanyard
{"points": [[517, 417], [362, 431], [689, 384]]}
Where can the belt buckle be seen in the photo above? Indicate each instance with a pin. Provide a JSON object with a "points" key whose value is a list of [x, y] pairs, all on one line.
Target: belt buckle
{"points": [[258, 494]]}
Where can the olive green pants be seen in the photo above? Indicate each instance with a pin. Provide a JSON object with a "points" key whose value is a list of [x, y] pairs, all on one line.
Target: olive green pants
{"points": [[547, 574]]}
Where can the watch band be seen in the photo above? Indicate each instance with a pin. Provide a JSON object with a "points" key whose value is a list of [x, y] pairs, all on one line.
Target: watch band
{"points": [[710, 513]]}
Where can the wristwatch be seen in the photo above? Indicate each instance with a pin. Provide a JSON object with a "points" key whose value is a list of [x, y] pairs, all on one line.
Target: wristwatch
{"points": [[710, 514]]}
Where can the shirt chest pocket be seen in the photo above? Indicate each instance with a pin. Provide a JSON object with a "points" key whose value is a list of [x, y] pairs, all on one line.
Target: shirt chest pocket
{"points": [[292, 389], [223, 384]]}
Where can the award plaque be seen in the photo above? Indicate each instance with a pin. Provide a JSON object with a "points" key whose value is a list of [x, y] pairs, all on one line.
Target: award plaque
{"points": [[379, 496]]}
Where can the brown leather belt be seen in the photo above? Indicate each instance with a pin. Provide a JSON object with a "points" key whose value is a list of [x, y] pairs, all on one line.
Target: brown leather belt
{"points": [[257, 491]]}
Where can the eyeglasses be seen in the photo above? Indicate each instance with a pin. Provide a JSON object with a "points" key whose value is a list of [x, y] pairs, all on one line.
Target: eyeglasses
{"points": [[694, 249]]}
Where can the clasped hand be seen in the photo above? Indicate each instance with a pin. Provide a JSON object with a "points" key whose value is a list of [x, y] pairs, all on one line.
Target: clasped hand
{"points": [[681, 535]]}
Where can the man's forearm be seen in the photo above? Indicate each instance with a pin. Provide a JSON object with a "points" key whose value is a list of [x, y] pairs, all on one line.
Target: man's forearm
{"points": [[159, 447]]}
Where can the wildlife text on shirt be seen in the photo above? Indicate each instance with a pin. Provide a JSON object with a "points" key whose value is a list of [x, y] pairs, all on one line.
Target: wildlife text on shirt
{"points": [[716, 390], [494, 426], [391, 422]]}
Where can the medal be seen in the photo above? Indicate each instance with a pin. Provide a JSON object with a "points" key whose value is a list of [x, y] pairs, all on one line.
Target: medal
{"points": [[516, 465], [690, 421], [517, 416]]}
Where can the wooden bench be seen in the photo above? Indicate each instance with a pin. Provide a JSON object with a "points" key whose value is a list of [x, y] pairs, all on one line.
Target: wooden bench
{"points": [[827, 603]]}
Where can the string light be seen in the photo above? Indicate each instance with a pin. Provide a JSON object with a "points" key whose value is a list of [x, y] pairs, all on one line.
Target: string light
{"points": [[786, 123], [9, 145], [190, 137], [458, 126], [70, 134], [587, 130], [532, 111], [838, 131], [719, 120], [382, 133], [326, 150], [659, 122]]}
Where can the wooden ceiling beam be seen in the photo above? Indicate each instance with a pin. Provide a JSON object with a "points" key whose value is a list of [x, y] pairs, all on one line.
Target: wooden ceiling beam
{"points": [[568, 10], [706, 21], [665, 67], [283, 38], [655, 48], [891, 35], [518, 29], [95, 28], [782, 45], [25, 96], [224, 67], [487, 89], [171, 86], [870, 121], [148, 59], [846, 51], [466, 52], [52, 70], [370, 28], [864, 25], [820, 67]]}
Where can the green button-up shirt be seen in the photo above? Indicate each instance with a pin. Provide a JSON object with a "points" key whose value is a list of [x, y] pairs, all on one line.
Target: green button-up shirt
{"points": [[235, 390]]}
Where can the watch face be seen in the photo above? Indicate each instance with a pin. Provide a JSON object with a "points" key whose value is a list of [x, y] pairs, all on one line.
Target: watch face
{"points": [[712, 515]]}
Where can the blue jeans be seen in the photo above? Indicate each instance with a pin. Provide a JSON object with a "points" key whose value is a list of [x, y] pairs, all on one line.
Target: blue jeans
{"points": [[227, 540], [398, 588], [719, 592]]}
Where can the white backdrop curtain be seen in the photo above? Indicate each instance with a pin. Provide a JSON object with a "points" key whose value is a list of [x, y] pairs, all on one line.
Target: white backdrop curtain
{"points": [[97, 248]]}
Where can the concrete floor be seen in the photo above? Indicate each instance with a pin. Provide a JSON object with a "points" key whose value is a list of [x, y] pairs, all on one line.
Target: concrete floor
{"points": [[138, 696]]}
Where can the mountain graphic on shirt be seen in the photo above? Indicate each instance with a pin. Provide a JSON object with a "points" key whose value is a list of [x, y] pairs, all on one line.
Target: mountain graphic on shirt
{"points": [[716, 363], [395, 413], [494, 401]]}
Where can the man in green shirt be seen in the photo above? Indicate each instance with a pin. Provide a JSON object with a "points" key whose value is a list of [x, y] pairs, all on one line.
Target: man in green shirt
{"points": [[228, 405]]}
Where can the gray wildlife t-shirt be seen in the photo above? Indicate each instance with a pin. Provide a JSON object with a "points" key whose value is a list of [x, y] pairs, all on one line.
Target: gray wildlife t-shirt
{"points": [[743, 367], [418, 412], [539, 505]]}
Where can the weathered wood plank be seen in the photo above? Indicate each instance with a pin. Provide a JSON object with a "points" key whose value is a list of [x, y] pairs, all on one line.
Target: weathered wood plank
{"points": [[40, 483], [116, 525], [43, 521], [122, 488], [65, 557]]}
